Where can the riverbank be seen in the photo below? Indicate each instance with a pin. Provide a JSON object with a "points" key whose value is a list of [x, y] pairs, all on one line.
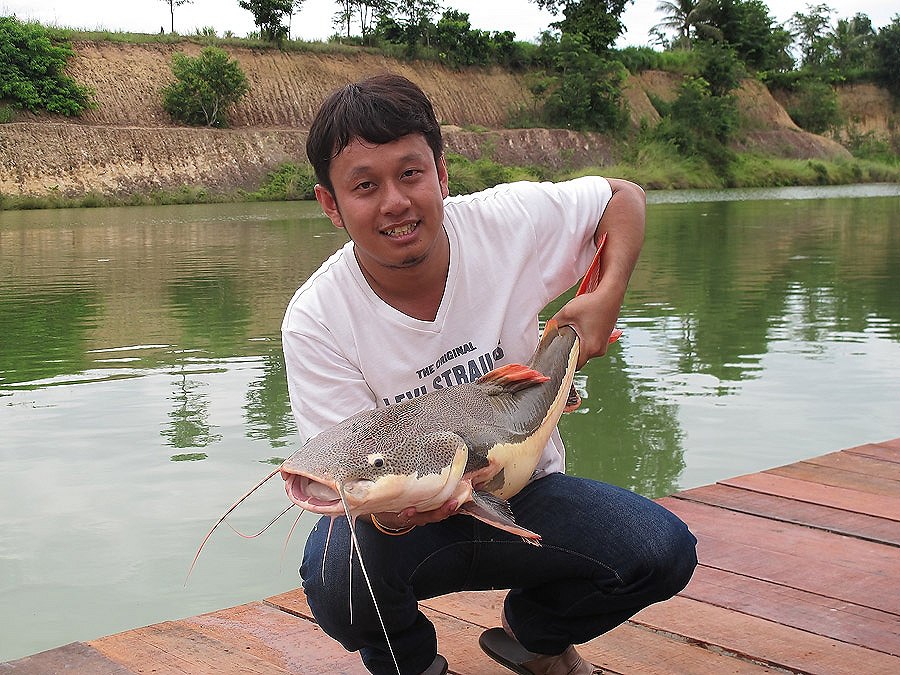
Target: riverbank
{"points": [[128, 151]]}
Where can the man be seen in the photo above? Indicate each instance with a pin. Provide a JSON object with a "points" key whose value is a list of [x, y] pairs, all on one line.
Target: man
{"points": [[432, 291]]}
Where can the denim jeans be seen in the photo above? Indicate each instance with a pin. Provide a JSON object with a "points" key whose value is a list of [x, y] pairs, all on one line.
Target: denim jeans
{"points": [[606, 554]]}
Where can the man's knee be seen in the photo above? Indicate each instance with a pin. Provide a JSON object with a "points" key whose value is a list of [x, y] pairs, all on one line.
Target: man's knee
{"points": [[677, 558]]}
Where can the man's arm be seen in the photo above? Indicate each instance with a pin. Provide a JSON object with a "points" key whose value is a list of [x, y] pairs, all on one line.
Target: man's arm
{"points": [[593, 315]]}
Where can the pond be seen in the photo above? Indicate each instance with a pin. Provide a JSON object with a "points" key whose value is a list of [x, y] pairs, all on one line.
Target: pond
{"points": [[142, 387]]}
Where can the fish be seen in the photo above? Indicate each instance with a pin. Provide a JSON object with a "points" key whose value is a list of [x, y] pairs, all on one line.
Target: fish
{"points": [[478, 442]]}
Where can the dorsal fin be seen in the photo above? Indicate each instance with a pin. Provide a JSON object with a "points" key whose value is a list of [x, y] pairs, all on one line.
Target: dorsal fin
{"points": [[512, 377]]}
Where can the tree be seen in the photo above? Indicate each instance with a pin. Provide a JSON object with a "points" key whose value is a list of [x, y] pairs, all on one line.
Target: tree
{"points": [[204, 87], [851, 43], [747, 28], [172, 5], [269, 15], [685, 18], [366, 12], [599, 21], [32, 70], [886, 46], [812, 34], [412, 21]]}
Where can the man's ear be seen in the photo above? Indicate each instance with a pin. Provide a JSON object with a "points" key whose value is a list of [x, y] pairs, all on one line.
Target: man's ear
{"points": [[443, 177], [329, 205]]}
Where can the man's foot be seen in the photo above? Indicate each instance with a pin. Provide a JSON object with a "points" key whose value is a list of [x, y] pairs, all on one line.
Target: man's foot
{"points": [[437, 667], [507, 651]]}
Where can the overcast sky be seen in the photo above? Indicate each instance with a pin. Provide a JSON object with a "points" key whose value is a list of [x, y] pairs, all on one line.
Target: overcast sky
{"points": [[314, 20]]}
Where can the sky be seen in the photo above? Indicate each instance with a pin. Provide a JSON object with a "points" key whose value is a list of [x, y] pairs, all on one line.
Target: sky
{"points": [[313, 22]]}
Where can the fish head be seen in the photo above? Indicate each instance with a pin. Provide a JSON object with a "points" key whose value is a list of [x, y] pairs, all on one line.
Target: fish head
{"points": [[388, 471]]}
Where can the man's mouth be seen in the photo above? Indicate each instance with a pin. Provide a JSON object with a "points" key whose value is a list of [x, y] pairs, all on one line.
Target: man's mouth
{"points": [[401, 230]]}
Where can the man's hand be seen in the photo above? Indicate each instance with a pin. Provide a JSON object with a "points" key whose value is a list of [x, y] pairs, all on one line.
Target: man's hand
{"points": [[410, 516], [593, 316]]}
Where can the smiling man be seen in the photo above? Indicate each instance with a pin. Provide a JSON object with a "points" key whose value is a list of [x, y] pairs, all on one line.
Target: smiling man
{"points": [[432, 291]]}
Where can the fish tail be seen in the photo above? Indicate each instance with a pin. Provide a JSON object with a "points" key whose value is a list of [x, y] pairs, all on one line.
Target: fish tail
{"points": [[592, 279]]}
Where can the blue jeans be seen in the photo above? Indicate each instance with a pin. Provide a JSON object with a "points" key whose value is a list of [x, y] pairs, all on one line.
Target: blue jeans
{"points": [[606, 554]]}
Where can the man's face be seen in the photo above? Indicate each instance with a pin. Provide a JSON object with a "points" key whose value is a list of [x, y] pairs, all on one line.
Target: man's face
{"points": [[389, 198]]}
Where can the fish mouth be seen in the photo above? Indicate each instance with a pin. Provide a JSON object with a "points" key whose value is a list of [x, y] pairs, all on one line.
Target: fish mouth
{"points": [[312, 494]]}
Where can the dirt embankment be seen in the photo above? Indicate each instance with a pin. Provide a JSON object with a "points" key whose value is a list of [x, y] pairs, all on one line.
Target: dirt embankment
{"points": [[129, 144]]}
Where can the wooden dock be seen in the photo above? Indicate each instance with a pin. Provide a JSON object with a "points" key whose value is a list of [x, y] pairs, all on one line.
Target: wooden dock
{"points": [[799, 572]]}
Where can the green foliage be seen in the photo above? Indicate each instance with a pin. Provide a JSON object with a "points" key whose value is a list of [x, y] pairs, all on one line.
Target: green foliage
{"points": [[815, 107], [700, 123], [811, 30], [7, 114], [467, 176], [637, 59], [32, 70], [886, 46], [269, 16], [459, 43], [204, 88], [583, 89], [288, 182], [598, 22]]}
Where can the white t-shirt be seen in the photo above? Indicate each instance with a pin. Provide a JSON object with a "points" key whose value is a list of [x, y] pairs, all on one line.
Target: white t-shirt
{"points": [[513, 249]]}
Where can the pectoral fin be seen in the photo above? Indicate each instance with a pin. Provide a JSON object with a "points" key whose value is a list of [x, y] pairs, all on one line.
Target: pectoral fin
{"points": [[497, 512]]}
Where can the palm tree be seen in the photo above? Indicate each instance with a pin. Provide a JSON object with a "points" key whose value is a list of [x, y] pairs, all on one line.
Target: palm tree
{"points": [[687, 19]]}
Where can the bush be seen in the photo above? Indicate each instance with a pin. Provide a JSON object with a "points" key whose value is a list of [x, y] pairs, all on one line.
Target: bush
{"points": [[700, 123], [288, 182], [204, 88], [815, 107], [584, 90], [32, 70]]}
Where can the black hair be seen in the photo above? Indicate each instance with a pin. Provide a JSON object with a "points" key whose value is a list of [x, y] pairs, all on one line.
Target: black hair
{"points": [[378, 109]]}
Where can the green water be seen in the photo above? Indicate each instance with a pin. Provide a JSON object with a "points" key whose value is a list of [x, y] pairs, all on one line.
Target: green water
{"points": [[142, 387]]}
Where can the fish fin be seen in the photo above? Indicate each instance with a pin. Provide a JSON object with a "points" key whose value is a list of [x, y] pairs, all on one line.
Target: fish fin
{"points": [[494, 511], [573, 402], [592, 277], [512, 377]]}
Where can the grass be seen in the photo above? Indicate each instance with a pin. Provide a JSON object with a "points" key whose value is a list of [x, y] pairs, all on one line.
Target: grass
{"points": [[654, 166]]}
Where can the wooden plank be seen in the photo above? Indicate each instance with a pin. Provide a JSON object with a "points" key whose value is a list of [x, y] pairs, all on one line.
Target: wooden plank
{"points": [[290, 643], [817, 614], [763, 641], [877, 451], [827, 495], [857, 463], [457, 639], [849, 480], [886, 450], [76, 658], [826, 518], [852, 554], [860, 572], [175, 647], [626, 649]]}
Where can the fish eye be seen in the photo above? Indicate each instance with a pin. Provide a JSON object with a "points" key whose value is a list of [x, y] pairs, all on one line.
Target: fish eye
{"points": [[376, 460]]}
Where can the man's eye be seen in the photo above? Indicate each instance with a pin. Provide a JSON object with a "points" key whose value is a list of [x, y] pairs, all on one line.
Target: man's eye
{"points": [[365, 185]]}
